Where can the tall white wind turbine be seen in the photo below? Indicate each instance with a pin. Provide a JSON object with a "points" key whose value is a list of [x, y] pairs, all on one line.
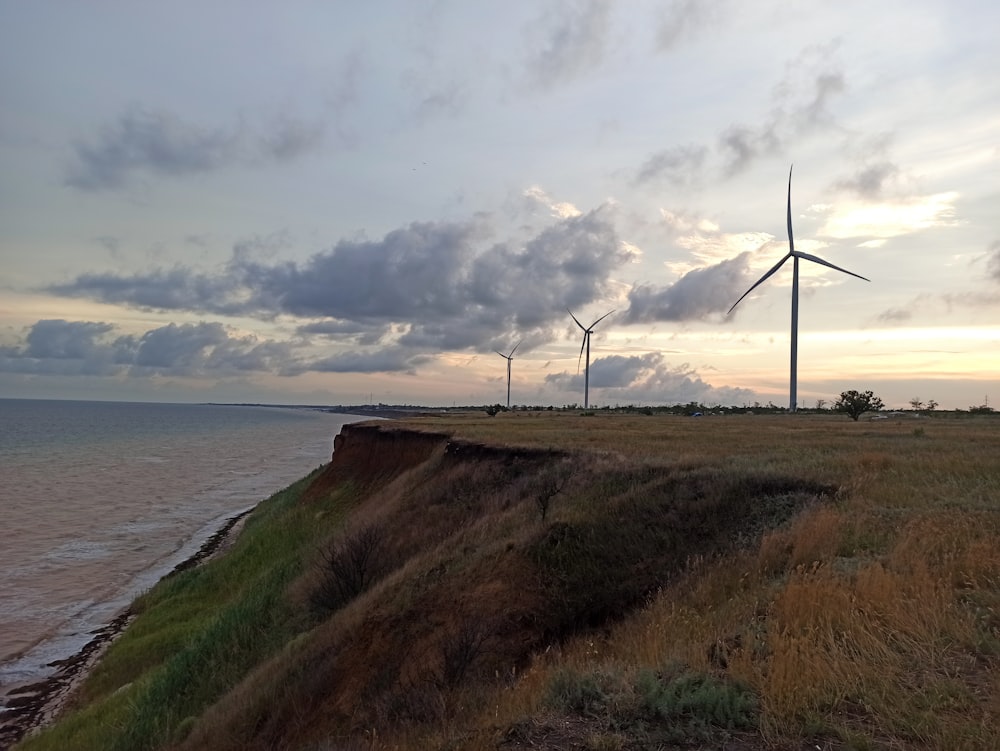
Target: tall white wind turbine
{"points": [[587, 331], [508, 358], [795, 255]]}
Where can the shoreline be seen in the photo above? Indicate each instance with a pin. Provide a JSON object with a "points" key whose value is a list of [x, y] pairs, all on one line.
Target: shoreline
{"points": [[36, 705]]}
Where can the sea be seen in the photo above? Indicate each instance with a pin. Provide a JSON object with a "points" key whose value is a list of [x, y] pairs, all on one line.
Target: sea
{"points": [[98, 500]]}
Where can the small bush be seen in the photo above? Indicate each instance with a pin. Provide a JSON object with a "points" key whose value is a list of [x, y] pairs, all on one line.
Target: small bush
{"points": [[348, 567], [461, 649], [573, 692], [697, 700]]}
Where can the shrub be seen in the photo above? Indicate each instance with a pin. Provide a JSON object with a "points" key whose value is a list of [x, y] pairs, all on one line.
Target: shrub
{"points": [[349, 566], [697, 700], [856, 403], [460, 649], [574, 692]]}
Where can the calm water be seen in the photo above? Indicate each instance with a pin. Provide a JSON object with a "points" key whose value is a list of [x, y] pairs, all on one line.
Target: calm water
{"points": [[98, 500]]}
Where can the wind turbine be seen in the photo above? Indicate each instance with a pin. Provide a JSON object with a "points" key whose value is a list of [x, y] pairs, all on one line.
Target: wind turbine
{"points": [[508, 358], [795, 255], [587, 331]]}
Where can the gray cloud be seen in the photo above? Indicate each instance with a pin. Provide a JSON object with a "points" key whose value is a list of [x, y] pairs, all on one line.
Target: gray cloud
{"points": [[443, 283], [868, 181], [575, 38], [64, 340], [160, 289], [695, 296], [154, 142], [873, 171], [63, 348], [680, 166], [289, 139], [685, 18], [993, 263], [60, 347], [800, 103], [894, 315], [647, 379], [387, 360], [617, 371]]}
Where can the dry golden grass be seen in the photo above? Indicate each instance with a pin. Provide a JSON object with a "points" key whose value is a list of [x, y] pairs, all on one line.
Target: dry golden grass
{"points": [[875, 621]]}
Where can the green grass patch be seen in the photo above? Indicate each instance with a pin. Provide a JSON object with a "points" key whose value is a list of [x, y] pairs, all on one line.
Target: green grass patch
{"points": [[198, 632]]}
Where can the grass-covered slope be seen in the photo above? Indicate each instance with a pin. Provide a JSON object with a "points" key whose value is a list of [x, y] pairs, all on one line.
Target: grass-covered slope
{"points": [[606, 582]]}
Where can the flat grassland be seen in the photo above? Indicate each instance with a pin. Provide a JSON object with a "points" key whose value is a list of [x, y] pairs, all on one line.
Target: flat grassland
{"points": [[558, 580]]}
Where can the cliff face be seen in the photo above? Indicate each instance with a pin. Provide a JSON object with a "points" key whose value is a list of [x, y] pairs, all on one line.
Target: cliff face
{"points": [[473, 558], [370, 453]]}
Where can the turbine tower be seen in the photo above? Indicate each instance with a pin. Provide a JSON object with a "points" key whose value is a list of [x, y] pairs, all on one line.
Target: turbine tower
{"points": [[795, 255], [508, 358], [587, 331]]}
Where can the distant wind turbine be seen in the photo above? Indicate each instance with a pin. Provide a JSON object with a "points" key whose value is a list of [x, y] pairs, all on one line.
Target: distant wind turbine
{"points": [[587, 331], [795, 255], [508, 358]]}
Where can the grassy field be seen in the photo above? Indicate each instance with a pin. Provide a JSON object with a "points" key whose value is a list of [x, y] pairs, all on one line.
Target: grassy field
{"points": [[555, 580]]}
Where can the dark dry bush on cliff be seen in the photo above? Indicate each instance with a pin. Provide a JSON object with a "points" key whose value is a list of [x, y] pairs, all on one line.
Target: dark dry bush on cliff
{"points": [[349, 565]]}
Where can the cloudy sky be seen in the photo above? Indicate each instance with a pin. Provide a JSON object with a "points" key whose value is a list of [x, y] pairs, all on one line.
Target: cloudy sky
{"points": [[331, 202]]}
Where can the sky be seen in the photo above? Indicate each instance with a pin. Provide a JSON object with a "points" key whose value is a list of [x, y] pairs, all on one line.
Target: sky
{"points": [[347, 203]]}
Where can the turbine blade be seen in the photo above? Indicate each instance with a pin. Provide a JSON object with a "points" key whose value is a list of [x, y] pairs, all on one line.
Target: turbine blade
{"points": [[601, 318], [574, 318], [817, 259], [582, 346], [514, 350], [791, 240], [500, 353], [760, 281]]}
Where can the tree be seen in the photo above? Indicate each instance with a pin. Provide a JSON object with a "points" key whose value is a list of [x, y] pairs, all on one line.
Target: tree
{"points": [[931, 404], [916, 403], [856, 403], [820, 403]]}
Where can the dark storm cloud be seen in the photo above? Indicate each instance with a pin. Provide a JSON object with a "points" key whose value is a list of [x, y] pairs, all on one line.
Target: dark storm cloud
{"points": [[679, 166], [647, 379], [574, 41], [695, 296], [442, 281], [154, 142]]}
